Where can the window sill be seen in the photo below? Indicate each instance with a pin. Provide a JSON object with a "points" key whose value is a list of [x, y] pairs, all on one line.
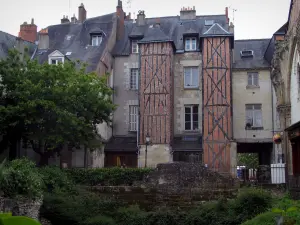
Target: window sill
{"points": [[252, 87], [135, 53], [255, 128], [132, 131], [192, 88], [192, 131]]}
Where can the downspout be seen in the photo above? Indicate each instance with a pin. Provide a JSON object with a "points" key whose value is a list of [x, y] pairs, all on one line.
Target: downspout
{"points": [[138, 119], [272, 99]]}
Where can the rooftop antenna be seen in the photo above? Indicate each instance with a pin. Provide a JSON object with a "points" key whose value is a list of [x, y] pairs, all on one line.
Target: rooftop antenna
{"points": [[233, 10]]}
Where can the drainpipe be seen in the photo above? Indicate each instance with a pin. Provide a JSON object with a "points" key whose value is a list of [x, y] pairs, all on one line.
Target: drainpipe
{"points": [[138, 119], [272, 99]]}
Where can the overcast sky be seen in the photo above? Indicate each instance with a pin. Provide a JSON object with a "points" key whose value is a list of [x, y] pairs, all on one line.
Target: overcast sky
{"points": [[253, 18]]}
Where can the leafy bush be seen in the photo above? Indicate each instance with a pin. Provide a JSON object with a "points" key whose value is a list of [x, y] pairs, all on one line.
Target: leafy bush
{"points": [[22, 220], [20, 177], [131, 215], [100, 220], [56, 179], [164, 217], [268, 218], [108, 176], [76, 207]]}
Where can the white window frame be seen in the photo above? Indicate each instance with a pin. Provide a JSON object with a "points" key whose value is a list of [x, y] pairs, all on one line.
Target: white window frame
{"points": [[252, 77], [134, 47], [56, 59], [133, 118], [96, 40], [134, 76], [190, 44], [189, 70], [192, 115], [254, 115]]}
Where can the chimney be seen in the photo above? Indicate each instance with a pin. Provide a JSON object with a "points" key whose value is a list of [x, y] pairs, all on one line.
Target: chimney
{"points": [[226, 14], [28, 32], [188, 13], [231, 28], [128, 17], [140, 21], [43, 39], [157, 22], [73, 19], [20, 47], [81, 13], [121, 18], [65, 19]]}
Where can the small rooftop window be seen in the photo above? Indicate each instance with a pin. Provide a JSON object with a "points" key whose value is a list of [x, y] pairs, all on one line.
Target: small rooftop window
{"points": [[209, 22], [246, 53], [68, 53], [96, 39], [68, 37]]}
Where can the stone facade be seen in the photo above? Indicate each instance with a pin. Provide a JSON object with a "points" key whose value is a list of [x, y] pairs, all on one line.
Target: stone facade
{"points": [[183, 96]]}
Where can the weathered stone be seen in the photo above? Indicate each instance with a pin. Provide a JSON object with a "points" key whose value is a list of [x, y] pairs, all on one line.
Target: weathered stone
{"points": [[21, 207]]}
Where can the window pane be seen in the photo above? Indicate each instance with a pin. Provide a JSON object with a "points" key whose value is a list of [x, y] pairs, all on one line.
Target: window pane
{"points": [[195, 125], [195, 109], [187, 117], [257, 118], [53, 61], [195, 117], [187, 110], [187, 44], [187, 125], [249, 79], [195, 77], [194, 44], [255, 79]]}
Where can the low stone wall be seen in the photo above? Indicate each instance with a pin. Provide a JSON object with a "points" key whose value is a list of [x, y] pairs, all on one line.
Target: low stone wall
{"points": [[150, 198], [21, 207], [174, 184]]}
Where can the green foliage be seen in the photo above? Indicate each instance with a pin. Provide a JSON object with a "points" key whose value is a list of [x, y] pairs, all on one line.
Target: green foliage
{"points": [[132, 215], [52, 105], [267, 218], [108, 176], [56, 179], [100, 220], [18, 220], [20, 177], [249, 160]]}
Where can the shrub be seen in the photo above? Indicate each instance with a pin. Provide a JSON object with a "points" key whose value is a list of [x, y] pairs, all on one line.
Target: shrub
{"points": [[56, 179], [100, 220], [164, 217], [267, 218], [22, 220], [76, 207], [108, 176], [131, 215], [20, 177]]}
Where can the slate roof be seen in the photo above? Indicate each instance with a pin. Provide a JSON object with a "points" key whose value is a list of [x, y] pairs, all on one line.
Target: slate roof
{"points": [[75, 38], [258, 46], [8, 41], [121, 144], [169, 29]]}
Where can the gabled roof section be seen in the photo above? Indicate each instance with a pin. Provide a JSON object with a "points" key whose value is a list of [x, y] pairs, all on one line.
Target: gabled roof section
{"points": [[155, 34], [56, 53], [258, 61], [216, 30], [282, 30], [171, 29], [75, 38], [8, 41]]}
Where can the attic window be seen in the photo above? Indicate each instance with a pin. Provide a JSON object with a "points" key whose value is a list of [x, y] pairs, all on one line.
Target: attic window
{"points": [[96, 40], [190, 44], [56, 61], [246, 53], [134, 47], [209, 22], [68, 37], [68, 53]]}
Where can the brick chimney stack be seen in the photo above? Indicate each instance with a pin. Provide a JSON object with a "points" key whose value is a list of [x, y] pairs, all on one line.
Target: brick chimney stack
{"points": [[81, 13], [226, 13], [65, 19], [121, 19], [28, 32]]}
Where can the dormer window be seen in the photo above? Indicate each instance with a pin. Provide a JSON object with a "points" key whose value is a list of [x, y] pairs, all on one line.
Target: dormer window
{"points": [[246, 53], [134, 47], [56, 57], [96, 39], [190, 44], [209, 22]]}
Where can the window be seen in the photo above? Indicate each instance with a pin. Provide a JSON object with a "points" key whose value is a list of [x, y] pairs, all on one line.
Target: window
{"points": [[134, 47], [246, 53], [134, 78], [253, 116], [252, 79], [190, 44], [209, 22], [96, 40], [191, 77], [55, 61], [191, 117], [133, 117]]}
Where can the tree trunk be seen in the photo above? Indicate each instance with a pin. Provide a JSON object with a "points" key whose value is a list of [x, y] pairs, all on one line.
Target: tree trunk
{"points": [[44, 157], [66, 157]]}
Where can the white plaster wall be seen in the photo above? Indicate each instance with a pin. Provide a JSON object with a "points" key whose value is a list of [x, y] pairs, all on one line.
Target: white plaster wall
{"points": [[294, 90], [243, 95]]}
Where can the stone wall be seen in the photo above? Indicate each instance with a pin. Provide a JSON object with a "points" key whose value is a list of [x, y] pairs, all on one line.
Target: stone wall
{"points": [[174, 184]]}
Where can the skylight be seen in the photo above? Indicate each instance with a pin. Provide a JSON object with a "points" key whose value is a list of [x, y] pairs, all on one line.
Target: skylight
{"points": [[68, 53], [247, 53], [209, 22]]}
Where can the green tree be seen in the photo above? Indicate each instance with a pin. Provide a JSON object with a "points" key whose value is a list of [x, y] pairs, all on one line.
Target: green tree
{"points": [[51, 106], [248, 159]]}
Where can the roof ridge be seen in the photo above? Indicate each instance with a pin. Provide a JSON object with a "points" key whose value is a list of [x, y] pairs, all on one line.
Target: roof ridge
{"points": [[255, 39]]}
